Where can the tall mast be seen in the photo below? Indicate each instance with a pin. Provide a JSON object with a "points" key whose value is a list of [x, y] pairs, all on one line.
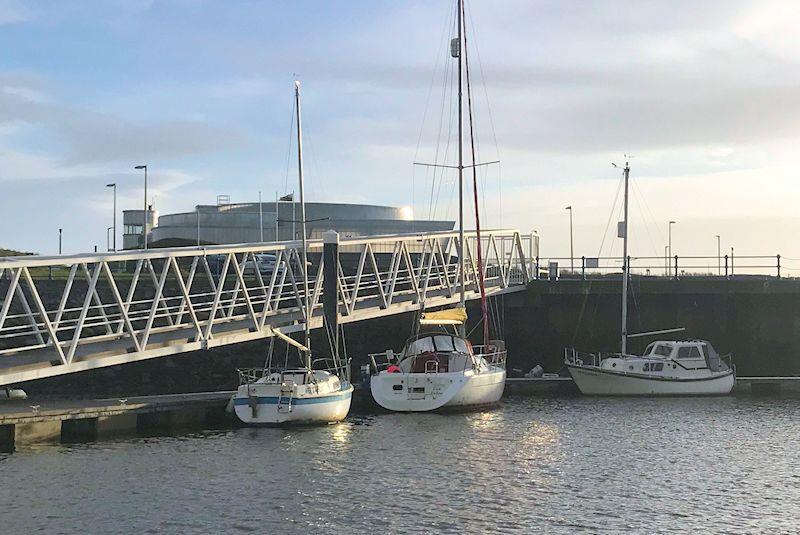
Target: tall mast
{"points": [[307, 300], [625, 267], [461, 271], [479, 253]]}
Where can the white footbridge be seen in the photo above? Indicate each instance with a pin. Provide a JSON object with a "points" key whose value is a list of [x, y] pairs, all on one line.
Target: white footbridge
{"points": [[64, 314]]}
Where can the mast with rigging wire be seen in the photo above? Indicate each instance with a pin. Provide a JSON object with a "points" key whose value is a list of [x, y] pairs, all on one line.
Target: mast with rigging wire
{"points": [[304, 268], [456, 52]]}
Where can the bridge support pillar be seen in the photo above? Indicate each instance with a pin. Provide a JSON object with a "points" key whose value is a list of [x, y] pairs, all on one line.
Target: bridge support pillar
{"points": [[79, 430], [7, 434], [330, 290]]}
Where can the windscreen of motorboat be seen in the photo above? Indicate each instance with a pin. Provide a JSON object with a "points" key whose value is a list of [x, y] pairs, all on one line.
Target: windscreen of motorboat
{"points": [[713, 360]]}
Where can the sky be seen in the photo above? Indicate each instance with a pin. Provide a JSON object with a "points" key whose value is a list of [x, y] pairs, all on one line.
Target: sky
{"points": [[704, 95]]}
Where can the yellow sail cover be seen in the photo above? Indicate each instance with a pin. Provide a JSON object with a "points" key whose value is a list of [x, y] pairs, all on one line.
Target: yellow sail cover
{"points": [[450, 316]]}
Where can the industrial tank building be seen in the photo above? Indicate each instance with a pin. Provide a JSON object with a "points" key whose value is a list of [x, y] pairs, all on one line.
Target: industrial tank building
{"points": [[279, 221]]}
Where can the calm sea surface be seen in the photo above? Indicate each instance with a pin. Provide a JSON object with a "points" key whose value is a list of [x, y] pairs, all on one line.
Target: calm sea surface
{"points": [[728, 465]]}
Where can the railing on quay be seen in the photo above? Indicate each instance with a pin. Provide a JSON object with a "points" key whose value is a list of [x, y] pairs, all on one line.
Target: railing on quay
{"points": [[725, 266]]}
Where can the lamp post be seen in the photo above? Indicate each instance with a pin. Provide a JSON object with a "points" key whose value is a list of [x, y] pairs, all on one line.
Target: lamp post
{"points": [[669, 256], [114, 218], [144, 225], [719, 256], [260, 220], [571, 249]]}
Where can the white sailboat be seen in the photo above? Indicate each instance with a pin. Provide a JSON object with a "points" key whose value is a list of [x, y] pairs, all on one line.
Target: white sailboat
{"points": [[667, 368], [302, 395], [439, 369]]}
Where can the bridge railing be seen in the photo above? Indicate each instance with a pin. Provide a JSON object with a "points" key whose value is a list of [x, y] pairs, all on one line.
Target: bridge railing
{"points": [[69, 313], [727, 266]]}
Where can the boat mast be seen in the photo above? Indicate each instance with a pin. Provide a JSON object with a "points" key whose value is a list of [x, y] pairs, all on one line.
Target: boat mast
{"points": [[625, 266], [481, 282], [456, 51], [304, 269]]}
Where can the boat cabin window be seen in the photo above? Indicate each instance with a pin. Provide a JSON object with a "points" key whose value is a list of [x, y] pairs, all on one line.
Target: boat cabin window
{"points": [[461, 345], [689, 353], [653, 367], [422, 345], [662, 350], [441, 342]]}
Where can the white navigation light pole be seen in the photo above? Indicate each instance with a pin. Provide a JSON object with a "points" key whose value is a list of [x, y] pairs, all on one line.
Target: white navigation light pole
{"points": [[144, 221], [114, 220], [571, 249]]}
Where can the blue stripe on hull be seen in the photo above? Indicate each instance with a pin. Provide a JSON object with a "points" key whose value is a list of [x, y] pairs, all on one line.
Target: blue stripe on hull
{"points": [[272, 400]]}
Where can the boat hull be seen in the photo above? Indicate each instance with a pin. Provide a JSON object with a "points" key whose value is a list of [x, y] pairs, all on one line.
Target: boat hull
{"points": [[593, 381], [263, 404], [424, 392]]}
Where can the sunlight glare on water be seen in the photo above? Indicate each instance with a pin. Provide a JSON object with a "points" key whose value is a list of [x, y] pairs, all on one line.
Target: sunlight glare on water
{"points": [[555, 465]]}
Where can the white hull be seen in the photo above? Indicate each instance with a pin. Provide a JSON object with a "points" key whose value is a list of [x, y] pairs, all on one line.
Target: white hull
{"points": [[422, 392], [593, 381], [263, 404]]}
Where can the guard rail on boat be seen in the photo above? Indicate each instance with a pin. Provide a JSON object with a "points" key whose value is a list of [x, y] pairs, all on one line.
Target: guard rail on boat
{"points": [[252, 375], [577, 358], [492, 354]]}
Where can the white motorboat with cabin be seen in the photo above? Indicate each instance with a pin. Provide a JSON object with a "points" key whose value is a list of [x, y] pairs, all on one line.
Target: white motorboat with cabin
{"points": [[318, 391], [439, 370], [667, 368]]}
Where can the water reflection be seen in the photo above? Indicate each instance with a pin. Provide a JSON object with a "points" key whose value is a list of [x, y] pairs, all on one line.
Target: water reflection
{"points": [[531, 465]]}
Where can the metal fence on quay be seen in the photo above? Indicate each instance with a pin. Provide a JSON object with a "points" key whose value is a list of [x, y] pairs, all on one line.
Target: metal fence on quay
{"points": [[724, 266]]}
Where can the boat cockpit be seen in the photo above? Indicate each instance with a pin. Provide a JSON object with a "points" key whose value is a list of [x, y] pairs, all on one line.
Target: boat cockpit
{"points": [[436, 353]]}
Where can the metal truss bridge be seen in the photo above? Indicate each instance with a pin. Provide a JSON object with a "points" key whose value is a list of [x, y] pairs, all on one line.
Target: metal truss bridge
{"points": [[64, 314]]}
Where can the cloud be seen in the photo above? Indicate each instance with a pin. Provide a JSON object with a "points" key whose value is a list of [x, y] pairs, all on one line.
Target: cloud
{"points": [[90, 137], [13, 12]]}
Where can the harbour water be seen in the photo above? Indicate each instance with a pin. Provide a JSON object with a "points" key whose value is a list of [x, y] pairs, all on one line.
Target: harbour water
{"points": [[555, 465]]}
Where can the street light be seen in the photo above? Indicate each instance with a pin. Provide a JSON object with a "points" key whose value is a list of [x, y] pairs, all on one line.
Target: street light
{"points": [[719, 256], [670, 239], [114, 227], [144, 226], [571, 249]]}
